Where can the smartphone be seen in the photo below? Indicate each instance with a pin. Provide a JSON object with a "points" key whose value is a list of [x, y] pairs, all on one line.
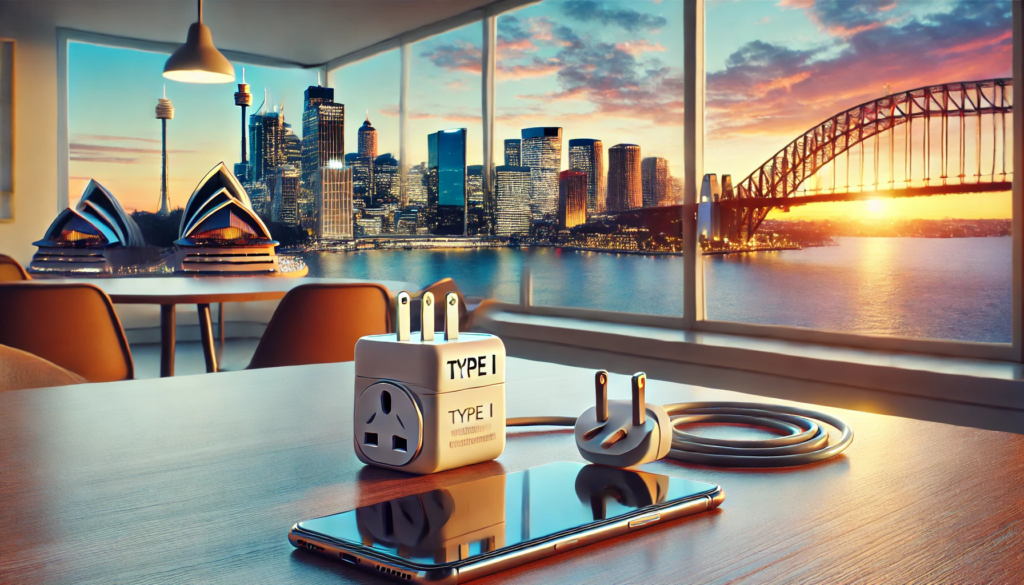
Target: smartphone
{"points": [[470, 530]]}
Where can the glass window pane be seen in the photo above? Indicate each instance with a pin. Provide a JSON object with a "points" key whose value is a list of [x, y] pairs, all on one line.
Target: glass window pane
{"points": [[446, 130], [589, 96], [369, 89], [115, 137], [867, 190]]}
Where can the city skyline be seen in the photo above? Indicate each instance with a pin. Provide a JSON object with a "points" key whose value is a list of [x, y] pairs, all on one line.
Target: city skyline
{"points": [[783, 64]]}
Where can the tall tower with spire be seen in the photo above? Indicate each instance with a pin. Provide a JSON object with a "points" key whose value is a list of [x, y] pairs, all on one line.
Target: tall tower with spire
{"points": [[243, 99], [164, 112], [368, 139]]}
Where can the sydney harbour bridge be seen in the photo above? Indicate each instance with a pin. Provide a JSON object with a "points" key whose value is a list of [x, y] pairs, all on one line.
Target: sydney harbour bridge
{"points": [[936, 140]]}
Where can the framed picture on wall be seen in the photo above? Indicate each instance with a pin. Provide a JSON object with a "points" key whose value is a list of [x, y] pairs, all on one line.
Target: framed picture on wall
{"points": [[6, 129]]}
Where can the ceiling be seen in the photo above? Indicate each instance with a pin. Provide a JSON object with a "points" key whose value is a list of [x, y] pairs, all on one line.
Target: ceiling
{"points": [[302, 31]]}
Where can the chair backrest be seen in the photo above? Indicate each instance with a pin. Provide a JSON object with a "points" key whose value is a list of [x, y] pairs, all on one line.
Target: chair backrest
{"points": [[20, 370], [320, 323], [71, 325], [11, 271], [439, 290]]}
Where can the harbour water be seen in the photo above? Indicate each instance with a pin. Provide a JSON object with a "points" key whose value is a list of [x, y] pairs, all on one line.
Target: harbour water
{"points": [[917, 287]]}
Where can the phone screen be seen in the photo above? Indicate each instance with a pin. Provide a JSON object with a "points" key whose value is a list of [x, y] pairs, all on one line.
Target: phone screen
{"points": [[471, 519]]}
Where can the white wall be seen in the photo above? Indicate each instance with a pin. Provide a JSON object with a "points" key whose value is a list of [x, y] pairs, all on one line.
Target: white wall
{"points": [[35, 130]]}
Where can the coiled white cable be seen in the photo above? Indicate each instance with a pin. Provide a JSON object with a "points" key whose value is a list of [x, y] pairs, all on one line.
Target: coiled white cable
{"points": [[807, 441]]}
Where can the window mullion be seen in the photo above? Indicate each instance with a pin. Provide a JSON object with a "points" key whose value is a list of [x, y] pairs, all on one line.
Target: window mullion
{"points": [[487, 93], [403, 127], [693, 143]]}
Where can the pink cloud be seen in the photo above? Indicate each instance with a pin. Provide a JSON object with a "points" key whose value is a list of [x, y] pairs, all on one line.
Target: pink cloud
{"points": [[639, 47]]}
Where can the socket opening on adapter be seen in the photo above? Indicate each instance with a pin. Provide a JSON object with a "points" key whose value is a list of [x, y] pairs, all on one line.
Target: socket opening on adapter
{"points": [[399, 444], [389, 424]]}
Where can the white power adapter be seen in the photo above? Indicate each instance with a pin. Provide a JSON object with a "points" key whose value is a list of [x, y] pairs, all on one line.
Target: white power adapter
{"points": [[424, 404]]}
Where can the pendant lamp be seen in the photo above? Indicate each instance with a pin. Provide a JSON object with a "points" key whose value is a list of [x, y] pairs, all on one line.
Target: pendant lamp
{"points": [[198, 61]]}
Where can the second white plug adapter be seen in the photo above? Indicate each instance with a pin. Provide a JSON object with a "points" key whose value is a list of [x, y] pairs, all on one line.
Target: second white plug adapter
{"points": [[425, 404], [621, 433]]}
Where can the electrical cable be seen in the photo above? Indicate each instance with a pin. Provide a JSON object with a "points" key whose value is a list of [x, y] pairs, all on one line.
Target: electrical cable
{"points": [[807, 441], [541, 421]]}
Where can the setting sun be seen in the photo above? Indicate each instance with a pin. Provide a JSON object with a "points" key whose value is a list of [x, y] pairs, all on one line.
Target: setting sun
{"points": [[876, 206]]}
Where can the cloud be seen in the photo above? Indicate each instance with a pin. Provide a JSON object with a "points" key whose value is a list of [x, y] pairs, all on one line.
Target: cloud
{"points": [[768, 89], [103, 153], [110, 138], [458, 56], [843, 18], [627, 18], [456, 117], [536, 67], [512, 38], [641, 46]]}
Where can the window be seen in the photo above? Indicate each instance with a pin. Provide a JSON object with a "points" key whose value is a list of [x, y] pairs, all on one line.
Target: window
{"points": [[595, 87], [897, 212], [446, 128], [115, 138]]}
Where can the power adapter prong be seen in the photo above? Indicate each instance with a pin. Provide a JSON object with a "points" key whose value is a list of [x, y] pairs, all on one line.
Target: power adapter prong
{"points": [[601, 389], [427, 317], [402, 315], [639, 402], [451, 317]]}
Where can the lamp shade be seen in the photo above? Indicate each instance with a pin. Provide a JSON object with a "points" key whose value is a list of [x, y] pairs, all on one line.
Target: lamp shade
{"points": [[198, 61]]}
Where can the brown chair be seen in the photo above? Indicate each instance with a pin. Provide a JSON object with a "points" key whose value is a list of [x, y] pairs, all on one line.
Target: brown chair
{"points": [[20, 370], [71, 325], [439, 290], [11, 271], [320, 323]]}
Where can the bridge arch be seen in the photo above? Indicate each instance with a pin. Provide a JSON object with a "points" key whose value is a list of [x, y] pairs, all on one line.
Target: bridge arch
{"points": [[777, 181]]}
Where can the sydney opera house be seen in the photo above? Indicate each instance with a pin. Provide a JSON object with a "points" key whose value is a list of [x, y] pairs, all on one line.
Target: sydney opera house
{"points": [[220, 232], [96, 236]]}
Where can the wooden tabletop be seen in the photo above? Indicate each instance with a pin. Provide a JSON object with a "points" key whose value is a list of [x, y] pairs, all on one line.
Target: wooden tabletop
{"points": [[166, 290], [197, 479]]}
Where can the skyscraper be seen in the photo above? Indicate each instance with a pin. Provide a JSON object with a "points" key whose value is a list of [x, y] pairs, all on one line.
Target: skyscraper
{"points": [[587, 155], [362, 176], [446, 186], [292, 147], [323, 133], [513, 152], [572, 199], [285, 195], [334, 200], [625, 190], [656, 181], [266, 142], [386, 179], [512, 192], [475, 216], [164, 112], [542, 152], [368, 139], [416, 185]]}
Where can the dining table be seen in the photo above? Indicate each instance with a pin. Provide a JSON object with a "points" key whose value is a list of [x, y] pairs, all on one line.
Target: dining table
{"points": [[198, 479], [170, 291]]}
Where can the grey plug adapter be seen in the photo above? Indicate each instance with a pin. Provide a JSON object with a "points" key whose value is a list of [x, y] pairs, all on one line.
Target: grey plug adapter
{"points": [[424, 404], [623, 433]]}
